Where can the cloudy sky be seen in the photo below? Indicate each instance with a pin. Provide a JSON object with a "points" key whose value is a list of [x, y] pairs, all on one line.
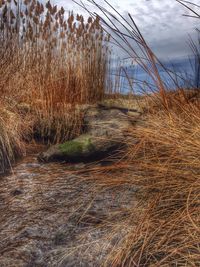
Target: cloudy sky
{"points": [[161, 22]]}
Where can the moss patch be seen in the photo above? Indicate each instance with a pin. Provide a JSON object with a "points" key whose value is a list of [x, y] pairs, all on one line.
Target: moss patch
{"points": [[77, 147], [71, 148]]}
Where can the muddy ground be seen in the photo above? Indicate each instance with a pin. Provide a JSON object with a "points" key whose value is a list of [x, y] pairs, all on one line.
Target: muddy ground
{"points": [[51, 215]]}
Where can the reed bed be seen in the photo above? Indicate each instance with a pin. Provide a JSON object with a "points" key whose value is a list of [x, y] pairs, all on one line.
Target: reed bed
{"points": [[51, 62], [163, 228]]}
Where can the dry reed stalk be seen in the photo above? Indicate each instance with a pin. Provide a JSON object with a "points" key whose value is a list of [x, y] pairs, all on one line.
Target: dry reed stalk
{"points": [[164, 228], [166, 169], [53, 61], [13, 132]]}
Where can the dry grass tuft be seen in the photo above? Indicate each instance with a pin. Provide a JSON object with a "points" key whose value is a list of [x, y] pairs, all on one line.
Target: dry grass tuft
{"points": [[163, 229], [13, 132], [165, 169]]}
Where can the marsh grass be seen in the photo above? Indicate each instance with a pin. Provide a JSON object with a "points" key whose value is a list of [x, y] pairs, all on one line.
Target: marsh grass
{"points": [[165, 169], [163, 229], [51, 62], [12, 137]]}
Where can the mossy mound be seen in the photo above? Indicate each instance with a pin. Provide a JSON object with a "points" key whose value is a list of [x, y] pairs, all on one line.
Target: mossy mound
{"points": [[74, 150], [77, 147], [105, 131]]}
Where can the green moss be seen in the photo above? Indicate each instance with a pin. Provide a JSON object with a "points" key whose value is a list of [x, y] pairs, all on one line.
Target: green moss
{"points": [[77, 147], [71, 148], [88, 145]]}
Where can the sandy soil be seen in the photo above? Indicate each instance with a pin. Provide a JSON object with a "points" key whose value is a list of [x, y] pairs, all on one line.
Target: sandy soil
{"points": [[52, 216]]}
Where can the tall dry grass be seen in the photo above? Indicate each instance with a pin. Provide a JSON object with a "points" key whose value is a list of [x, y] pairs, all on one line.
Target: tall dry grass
{"points": [[163, 229], [164, 167], [13, 133], [51, 62]]}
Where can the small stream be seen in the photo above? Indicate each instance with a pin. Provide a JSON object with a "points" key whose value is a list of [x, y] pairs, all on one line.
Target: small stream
{"points": [[51, 216]]}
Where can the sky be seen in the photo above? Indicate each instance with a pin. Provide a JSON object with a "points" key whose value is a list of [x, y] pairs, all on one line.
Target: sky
{"points": [[161, 22], [165, 28]]}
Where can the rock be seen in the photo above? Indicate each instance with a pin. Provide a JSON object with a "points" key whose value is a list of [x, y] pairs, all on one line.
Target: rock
{"points": [[71, 150], [83, 148], [105, 131]]}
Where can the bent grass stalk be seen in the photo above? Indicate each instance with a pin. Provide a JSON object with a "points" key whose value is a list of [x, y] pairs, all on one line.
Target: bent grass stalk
{"points": [[163, 229]]}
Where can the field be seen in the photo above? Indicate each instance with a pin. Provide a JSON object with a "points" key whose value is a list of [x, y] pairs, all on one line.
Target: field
{"points": [[51, 66]]}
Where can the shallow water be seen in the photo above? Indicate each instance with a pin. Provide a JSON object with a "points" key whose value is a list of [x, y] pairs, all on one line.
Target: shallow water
{"points": [[51, 216]]}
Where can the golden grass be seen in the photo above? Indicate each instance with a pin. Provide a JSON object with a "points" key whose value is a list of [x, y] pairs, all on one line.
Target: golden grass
{"points": [[163, 228], [13, 133], [165, 168], [51, 62]]}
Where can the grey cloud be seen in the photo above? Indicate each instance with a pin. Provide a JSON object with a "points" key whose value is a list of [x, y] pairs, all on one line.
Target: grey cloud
{"points": [[161, 22]]}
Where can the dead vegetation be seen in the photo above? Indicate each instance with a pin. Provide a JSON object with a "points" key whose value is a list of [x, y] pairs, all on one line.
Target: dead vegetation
{"points": [[164, 166], [163, 229], [50, 62]]}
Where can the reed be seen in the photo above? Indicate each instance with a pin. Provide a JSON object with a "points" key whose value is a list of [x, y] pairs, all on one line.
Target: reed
{"points": [[51, 62], [13, 133]]}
